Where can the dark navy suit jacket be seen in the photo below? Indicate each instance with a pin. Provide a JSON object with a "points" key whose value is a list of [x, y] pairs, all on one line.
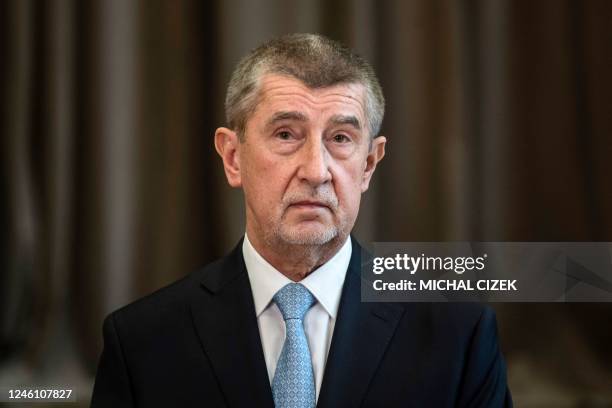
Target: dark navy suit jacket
{"points": [[196, 343]]}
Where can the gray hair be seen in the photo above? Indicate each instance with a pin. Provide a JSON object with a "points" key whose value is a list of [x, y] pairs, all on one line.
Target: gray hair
{"points": [[315, 60]]}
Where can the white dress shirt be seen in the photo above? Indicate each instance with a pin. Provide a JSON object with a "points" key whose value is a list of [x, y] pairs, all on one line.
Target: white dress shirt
{"points": [[325, 284]]}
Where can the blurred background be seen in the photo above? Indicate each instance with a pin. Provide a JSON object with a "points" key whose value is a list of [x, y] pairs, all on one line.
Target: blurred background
{"points": [[499, 127]]}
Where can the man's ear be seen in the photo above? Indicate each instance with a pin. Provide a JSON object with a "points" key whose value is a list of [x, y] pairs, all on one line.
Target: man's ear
{"points": [[227, 145], [376, 153]]}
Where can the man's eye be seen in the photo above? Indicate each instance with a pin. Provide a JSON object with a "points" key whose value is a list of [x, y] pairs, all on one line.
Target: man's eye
{"points": [[284, 135], [341, 138]]}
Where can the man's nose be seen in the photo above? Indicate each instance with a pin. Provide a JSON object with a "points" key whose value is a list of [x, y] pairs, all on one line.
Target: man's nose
{"points": [[314, 165]]}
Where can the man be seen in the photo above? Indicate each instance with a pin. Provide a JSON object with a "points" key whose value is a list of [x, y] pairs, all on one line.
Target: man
{"points": [[279, 321]]}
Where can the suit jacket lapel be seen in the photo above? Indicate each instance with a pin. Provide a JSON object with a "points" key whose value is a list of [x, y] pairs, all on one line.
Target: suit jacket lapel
{"points": [[361, 335], [225, 321]]}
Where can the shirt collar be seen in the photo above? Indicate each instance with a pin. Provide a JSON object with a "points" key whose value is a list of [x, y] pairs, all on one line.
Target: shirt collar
{"points": [[325, 283]]}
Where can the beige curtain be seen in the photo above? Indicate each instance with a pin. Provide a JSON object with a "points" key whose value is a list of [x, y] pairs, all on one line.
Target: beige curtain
{"points": [[498, 120]]}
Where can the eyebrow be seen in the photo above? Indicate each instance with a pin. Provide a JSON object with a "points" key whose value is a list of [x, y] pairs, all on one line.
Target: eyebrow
{"points": [[301, 117], [286, 115], [345, 120]]}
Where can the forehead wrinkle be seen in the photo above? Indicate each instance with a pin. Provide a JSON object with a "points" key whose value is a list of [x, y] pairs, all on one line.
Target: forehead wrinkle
{"points": [[279, 90], [277, 99], [271, 83], [330, 98]]}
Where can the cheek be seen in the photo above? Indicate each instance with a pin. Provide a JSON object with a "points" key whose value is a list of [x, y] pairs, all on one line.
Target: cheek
{"points": [[263, 180], [348, 188]]}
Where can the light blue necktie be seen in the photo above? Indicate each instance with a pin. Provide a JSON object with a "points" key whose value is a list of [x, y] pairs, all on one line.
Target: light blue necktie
{"points": [[293, 385]]}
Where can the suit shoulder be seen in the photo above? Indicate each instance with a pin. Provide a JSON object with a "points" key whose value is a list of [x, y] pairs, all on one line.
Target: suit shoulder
{"points": [[464, 313], [460, 319], [166, 301]]}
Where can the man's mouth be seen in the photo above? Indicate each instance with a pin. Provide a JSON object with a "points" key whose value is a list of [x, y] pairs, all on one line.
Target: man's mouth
{"points": [[309, 204]]}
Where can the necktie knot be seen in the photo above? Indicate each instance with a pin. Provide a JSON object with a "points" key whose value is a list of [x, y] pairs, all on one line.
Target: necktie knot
{"points": [[294, 300]]}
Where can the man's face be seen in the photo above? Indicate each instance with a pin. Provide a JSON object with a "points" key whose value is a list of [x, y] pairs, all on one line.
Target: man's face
{"points": [[304, 161]]}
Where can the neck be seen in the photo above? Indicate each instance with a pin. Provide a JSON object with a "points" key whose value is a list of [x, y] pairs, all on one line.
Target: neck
{"points": [[296, 261]]}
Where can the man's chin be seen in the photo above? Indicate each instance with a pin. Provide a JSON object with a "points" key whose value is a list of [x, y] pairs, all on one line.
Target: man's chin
{"points": [[308, 236]]}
